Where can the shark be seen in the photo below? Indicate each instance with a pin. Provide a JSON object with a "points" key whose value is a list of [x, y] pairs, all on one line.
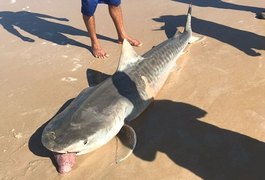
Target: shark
{"points": [[102, 112]]}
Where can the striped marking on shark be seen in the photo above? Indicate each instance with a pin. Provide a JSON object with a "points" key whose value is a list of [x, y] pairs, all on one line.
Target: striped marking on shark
{"points": [[100, 113]]}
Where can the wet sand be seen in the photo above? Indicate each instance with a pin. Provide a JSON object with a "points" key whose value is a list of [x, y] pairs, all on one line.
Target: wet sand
{"points": [[208, 121]]}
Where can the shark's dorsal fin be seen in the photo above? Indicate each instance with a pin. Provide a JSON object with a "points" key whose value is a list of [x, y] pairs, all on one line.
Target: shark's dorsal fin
{"points": [[128, 56]]}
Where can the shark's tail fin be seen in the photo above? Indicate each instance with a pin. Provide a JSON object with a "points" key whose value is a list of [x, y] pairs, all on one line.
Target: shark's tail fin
{"points": [[188, 22]]}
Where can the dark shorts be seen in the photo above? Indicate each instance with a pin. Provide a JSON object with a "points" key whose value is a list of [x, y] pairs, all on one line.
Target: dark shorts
{"points": [[89, 6]]}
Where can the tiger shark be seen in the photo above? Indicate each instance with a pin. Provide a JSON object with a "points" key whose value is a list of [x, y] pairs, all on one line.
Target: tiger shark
{"points": [[101, 112]]}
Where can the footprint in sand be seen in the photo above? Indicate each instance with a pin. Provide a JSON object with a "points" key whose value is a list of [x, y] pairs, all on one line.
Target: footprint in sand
{"points": [[68, 79], [16, 135], [64, 56], [24, 9], [77, 66]]}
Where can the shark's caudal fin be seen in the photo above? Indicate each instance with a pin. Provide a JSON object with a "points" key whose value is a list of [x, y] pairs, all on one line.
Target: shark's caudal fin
{"points": [[188, 22], [128, 56], [189, 29]]}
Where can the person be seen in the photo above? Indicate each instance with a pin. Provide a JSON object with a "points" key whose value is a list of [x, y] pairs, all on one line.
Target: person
{"points": [[88, 9]]}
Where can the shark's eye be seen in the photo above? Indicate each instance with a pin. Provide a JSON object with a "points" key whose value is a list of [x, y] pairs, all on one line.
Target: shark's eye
{"points": [[85, 142]]}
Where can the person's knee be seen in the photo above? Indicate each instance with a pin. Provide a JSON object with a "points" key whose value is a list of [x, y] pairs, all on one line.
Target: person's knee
{"points": [[114, 3], [86, 18], [112, 7]]}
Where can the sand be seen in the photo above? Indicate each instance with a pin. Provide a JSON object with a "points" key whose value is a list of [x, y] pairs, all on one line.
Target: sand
{"points": [[208, 121]]}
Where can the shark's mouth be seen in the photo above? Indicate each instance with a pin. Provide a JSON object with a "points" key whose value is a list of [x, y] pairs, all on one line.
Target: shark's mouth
{"points": [[65, 161]]}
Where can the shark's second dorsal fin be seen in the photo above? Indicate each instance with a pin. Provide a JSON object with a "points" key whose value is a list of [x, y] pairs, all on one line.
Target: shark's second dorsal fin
{"points": [[128, 56]]}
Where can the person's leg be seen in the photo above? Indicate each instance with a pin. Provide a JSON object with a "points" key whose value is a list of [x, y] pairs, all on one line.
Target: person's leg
{"points": [[88, 9], [116, 15], [97, 51]]}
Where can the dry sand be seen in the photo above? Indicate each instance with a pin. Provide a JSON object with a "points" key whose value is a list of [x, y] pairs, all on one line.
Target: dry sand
{"points": [[208, 121]]}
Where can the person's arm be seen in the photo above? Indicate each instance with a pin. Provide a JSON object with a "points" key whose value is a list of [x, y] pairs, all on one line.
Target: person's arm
{"points": [[50, 17]]}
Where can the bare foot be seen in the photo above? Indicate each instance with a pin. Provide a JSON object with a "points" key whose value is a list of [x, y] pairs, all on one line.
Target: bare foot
{"points": [[132, 41], [99, 53]]}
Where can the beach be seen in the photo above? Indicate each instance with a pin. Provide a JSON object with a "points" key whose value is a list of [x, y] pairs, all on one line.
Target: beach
{"points": [[207, 122]]}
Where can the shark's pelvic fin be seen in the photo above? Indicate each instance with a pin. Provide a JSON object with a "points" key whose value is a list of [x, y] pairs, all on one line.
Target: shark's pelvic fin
{"points": [[128, 56]]}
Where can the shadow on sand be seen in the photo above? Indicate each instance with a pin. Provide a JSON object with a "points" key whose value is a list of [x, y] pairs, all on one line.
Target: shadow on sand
{"points": [[222, 5], [245, 41], [208, 151], [40, 26]]}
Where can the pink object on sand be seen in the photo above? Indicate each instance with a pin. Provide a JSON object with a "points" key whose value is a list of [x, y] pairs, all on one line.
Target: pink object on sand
{"points": [[65, 161]]}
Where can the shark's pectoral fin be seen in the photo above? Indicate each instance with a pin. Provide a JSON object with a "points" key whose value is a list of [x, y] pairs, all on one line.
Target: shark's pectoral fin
{"points": [[126, 141], [195, 39], [95, 77]]}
